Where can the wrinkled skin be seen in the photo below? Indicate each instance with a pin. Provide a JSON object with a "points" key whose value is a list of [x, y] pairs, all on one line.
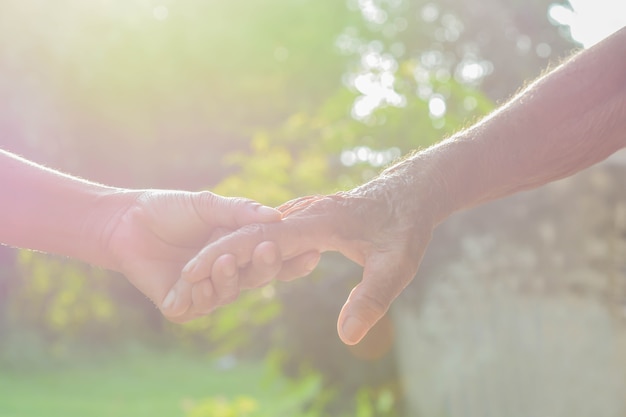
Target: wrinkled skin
{"points": [[568, 120], [383, 230]]}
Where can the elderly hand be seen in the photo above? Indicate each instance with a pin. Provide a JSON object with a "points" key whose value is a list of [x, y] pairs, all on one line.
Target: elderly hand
{"points": [[386, 224], [378, 225]]}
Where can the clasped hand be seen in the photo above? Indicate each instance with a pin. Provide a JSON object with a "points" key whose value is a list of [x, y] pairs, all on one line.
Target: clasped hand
{"points": [[159, 231], [367, 225]]}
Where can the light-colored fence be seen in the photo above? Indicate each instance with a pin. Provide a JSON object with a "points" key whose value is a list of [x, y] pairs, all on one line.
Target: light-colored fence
{"points": [[520, 307]]}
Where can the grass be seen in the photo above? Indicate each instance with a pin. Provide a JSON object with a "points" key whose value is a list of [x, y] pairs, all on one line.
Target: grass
{"points": [[137, 385]]}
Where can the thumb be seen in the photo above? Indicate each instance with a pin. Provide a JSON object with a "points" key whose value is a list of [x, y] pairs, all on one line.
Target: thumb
{"points": [[232, 212], [384, 277]]}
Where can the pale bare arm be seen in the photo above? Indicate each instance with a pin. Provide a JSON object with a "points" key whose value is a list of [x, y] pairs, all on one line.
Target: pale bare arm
{"points": [[148, 235], [48, 211]]}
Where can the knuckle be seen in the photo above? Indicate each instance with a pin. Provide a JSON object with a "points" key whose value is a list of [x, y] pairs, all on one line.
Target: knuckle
{"points": [[374, 306], [227, 292], [234, 203], [254, 229], [202, 202], [258, 275], [239, 201], [205, 199], [199, 295]]}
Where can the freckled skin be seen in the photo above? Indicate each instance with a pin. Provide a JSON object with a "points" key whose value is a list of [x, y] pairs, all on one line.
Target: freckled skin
{"points": [[568, 120]]}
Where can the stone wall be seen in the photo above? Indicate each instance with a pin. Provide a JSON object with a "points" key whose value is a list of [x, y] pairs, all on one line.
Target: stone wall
{"points": [[519, 307]]}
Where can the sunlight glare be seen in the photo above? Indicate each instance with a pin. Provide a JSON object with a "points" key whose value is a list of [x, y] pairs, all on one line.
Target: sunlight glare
{"points": [[590, 21], [372, 12], [471, 71], [160, 12], [364, 106], [430, 12], [437, 106], [470, 103], [543, 50], [364, 154]]}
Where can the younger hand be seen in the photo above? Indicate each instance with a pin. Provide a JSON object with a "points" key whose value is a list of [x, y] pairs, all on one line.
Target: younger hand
{"points": [[160, 231]]}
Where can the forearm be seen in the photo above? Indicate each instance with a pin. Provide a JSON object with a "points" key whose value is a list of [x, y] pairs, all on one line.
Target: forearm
{"points": [[48, 211], [568, 120]]}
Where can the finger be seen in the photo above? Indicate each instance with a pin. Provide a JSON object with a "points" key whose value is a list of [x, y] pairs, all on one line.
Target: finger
{"points": [[203, 296], [293, 237], [384, 277], [299, 267], [232, 212], [240, 243], [297, 204], [225, 279], [265, 265], [218, 233], [178, 301]]}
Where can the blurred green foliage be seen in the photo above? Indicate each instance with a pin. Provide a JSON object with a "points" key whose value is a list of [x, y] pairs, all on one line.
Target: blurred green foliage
{"points": [[60, 296], [146, 382], [269, 100], [292, 402]]}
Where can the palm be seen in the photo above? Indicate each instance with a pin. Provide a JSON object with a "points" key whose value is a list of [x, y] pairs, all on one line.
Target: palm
{"points": [[155, 238], [158, 235]]}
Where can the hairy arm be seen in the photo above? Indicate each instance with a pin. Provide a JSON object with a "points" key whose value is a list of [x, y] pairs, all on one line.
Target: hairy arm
{"points": [[571, 118], [566, 121]]}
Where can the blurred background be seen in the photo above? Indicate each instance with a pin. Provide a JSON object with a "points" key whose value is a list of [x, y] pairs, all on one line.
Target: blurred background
{"points": [[518, 309]]}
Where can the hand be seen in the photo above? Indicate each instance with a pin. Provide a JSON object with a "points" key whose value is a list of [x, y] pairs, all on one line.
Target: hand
{"points": [[160, 231], [378, 225]]}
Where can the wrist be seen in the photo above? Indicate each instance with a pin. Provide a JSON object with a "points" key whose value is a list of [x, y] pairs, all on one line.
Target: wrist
{"points": [[457, 170], [105, 219], [421, 182]]}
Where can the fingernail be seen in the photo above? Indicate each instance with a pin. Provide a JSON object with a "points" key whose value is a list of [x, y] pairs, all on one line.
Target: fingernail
{"points": [[353, 329], [168, 302], [189, 269], [268, 212]]}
